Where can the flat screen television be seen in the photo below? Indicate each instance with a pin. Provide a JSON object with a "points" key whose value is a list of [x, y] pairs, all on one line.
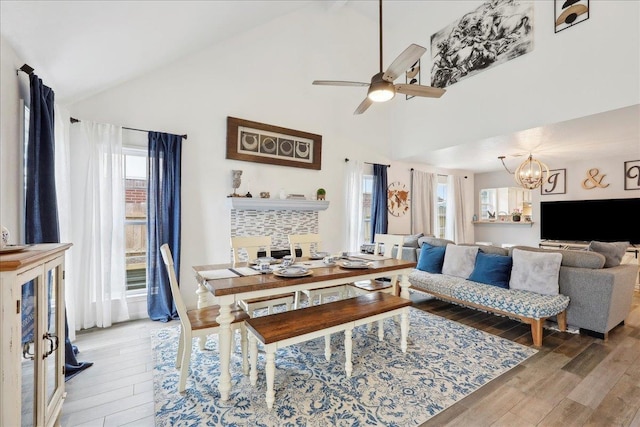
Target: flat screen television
{"points": [[608, 220]]}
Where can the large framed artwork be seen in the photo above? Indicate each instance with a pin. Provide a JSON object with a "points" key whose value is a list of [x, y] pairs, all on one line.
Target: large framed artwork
{"points": [[568, 13], [263, 143], [494, 33], [556, 182]]}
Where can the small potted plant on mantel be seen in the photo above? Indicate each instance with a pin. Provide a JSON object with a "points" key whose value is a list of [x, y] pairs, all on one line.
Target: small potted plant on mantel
{"points": [[320, 194], [516, 215]]}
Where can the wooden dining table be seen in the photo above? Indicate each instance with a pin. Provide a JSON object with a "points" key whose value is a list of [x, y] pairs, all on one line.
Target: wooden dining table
{"points": [[229, 290]]}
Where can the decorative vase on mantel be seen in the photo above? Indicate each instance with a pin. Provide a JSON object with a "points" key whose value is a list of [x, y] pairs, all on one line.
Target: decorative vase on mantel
{"points": [[515, 218], [5, 237]]}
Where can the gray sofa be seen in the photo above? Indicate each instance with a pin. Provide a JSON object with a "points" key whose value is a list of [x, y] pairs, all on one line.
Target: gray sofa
{"points": [[600, 298]]}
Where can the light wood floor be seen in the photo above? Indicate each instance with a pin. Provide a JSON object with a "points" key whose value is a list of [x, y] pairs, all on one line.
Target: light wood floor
{"points": [[574, 380]]}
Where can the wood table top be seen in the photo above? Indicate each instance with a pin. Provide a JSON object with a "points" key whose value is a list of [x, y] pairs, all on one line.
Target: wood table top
{"points": [[242, 284]]}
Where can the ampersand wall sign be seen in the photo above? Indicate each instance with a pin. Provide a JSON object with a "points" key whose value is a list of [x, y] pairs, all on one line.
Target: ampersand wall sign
{"points": [[594, 180]]}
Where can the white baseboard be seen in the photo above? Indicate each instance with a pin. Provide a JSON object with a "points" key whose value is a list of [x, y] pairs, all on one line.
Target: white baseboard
{"points": [[137, 304]]}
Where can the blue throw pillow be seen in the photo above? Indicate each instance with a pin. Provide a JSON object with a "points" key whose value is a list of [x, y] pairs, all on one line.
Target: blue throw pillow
{"points": [[492, 269], [431, 258]]}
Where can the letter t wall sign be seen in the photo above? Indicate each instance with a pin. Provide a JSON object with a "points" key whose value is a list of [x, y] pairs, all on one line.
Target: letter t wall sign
{"points": [[632, 175], [556, 182]]}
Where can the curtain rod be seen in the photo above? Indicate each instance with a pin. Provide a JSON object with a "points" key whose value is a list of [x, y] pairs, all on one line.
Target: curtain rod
{"points": [[74, 120], [369, 163], [439, 174], [26, 68]]}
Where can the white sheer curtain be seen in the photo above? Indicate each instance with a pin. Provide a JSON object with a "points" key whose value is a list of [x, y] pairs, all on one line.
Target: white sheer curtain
{"points": [[456, 211], [97, 294], [354, 235], [63, 190], [423, 202]]}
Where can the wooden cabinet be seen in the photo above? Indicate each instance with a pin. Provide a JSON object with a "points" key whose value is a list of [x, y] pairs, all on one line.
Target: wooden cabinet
{"points": [[32, 387]]}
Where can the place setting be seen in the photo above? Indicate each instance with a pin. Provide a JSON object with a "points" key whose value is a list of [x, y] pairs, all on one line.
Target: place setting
{"points": [[287, 268], [294, 271], [355, 264]]}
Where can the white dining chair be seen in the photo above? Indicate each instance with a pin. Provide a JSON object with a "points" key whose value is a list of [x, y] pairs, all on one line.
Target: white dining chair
{"points": [[384, 245], [308, 245], [198, 323], [251, 245]]}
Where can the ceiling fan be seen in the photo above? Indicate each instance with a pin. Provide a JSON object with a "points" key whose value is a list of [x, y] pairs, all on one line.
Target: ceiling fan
{"points": [[381, 88]]}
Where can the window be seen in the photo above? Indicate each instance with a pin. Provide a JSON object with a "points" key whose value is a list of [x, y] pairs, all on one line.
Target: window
{"points": [[367, 190], [26, 116], [135, 223], [441, 218]]}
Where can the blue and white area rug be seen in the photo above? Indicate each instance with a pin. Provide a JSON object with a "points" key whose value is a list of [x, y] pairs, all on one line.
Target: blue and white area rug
{"points": [[445, 362]]}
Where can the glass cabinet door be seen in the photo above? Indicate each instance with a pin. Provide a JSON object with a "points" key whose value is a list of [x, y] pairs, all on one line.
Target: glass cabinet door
{"points": [[28, 308], [53, 343], [42, 351]]}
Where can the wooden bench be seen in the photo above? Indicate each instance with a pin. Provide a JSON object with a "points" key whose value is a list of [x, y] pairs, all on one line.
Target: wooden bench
{"points": [[282, 329]]}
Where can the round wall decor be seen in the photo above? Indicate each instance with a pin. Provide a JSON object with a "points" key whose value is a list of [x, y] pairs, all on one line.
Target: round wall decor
{"points": [[397, 198]]}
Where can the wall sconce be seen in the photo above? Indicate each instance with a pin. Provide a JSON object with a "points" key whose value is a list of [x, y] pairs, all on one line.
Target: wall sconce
{"points": [[530, 174]]}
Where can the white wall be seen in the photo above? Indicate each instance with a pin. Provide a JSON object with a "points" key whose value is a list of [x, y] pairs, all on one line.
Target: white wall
{"points": [[576, 172], [264, 75], [590, 68], [13, 87]]}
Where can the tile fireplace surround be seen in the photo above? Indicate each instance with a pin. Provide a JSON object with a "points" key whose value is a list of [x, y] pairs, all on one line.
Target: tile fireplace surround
{"points": [[275, 218]]}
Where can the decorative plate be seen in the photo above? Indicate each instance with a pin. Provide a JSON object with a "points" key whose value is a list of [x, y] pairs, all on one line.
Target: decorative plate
{"points": [[319, 255], [293, 272], [355, 264], [269, 259], [13, 248]]}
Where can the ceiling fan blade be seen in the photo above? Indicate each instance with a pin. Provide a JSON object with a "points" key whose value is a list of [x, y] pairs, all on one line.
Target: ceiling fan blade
{"points": [[338, 83], [418, 90], [363, 106], [402, 63]]}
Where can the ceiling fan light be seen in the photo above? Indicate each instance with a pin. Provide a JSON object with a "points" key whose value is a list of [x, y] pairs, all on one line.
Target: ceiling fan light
{"points": [[381, 95], [381, 91]]}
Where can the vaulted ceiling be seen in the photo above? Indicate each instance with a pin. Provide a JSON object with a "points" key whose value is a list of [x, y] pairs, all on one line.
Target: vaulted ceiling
{"points": [[85, 47]]}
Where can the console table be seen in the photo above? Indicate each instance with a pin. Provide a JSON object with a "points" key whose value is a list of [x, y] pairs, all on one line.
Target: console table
{"points": [[32, 387]]}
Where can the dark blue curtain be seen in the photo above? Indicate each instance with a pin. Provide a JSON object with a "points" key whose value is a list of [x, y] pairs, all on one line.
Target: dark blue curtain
{"points": [[41, 206], [379, 216], [163, 221]]}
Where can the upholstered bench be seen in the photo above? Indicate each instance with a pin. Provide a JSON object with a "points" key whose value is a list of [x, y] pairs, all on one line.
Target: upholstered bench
{"points": [[529, 307], [292, 327]]}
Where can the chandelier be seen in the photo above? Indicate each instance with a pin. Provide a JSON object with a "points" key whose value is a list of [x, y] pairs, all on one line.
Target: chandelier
{"points": [[531, 174]]}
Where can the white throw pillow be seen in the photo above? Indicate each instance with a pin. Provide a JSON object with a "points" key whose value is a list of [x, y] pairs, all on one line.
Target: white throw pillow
{"points": [[535, 271], [459, 260]]}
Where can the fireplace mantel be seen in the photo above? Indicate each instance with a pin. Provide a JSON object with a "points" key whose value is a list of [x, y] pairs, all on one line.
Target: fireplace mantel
{"points": [[259, 204]]}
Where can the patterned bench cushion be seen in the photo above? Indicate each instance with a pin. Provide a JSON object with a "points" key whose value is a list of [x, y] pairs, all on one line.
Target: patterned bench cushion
{"points": [[514, 301], [439, 283]]}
